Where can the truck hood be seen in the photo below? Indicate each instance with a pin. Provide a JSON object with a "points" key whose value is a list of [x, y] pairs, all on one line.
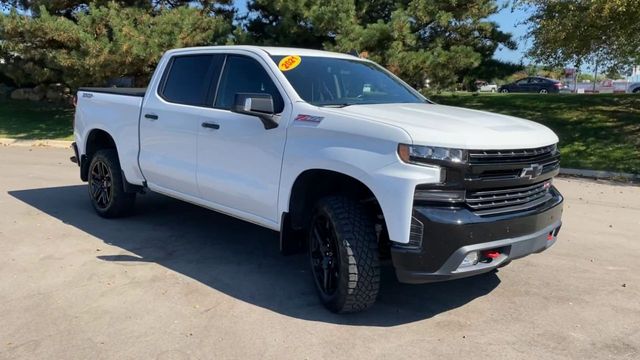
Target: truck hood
{"points": [[447, 126]]}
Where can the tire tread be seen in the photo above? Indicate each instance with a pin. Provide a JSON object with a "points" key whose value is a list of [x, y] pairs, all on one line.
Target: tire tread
{"points": [[356, 235]]}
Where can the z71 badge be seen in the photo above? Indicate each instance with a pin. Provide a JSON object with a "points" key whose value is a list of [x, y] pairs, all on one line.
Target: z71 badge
{"points": [[308, 118]]}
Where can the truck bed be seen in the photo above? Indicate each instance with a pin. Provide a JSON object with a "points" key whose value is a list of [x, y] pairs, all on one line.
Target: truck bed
{"points": [[139, 92], [115, 111]]}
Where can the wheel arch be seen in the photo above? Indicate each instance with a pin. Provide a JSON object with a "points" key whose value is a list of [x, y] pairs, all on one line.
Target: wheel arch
{"points": [[96, 139], [310, 186]]}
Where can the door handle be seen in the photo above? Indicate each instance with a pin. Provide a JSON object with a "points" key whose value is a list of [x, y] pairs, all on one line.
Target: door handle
{"points": [[151, 116], [210, 125]]}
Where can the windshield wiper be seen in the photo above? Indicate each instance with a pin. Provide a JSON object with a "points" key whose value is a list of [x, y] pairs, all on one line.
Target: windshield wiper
{"points": [[337, 105]]}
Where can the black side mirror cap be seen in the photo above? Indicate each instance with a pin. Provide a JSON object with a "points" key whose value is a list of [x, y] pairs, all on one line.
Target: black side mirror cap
{"points": [[259, 105]]}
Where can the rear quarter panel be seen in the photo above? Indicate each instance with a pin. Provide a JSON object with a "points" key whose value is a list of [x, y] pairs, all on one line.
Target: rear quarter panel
{"points": [[118, 115]]}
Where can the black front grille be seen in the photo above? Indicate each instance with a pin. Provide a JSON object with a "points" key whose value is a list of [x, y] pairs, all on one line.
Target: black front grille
{"points": [[509, 164], [498, 201], [508, 156]]}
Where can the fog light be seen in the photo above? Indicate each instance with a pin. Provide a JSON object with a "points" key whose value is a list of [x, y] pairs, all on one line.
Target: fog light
{"points": [[470, 260]]}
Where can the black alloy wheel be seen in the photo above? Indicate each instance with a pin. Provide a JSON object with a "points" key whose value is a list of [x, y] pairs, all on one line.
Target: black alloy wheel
{"points": [[101, 184], [107, 185], [325, 260]]}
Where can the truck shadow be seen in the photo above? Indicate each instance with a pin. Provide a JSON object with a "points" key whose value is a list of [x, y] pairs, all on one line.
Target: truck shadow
{"points": [[240, 259]]}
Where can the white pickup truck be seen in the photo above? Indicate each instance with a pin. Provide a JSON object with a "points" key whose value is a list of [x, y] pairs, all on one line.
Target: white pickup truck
{"points": [[336, 153]]}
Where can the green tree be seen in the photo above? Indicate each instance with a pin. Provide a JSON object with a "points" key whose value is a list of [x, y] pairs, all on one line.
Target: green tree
{"points": [[297, 23], [101, 43], [577, 32], [67, 8], [416, 39], [435, 40]]}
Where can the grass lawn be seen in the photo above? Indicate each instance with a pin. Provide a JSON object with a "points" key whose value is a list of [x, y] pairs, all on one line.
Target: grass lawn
{"points": [[600, 132], [28, 120]]}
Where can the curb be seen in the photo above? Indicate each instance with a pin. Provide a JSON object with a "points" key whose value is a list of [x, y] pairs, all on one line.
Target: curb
{"points": [[599, 174], [29, 143]]}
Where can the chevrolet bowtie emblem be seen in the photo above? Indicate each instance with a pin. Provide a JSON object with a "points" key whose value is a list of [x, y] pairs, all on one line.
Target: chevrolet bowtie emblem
{"points": [[532, 171]]}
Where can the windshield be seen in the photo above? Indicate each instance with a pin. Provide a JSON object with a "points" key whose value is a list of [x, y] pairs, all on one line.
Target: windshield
{"points": [[324, 81]]}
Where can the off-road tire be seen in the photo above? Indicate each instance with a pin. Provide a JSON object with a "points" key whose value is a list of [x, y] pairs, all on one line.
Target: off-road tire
{"points": [[359, 267], [120, 203]]}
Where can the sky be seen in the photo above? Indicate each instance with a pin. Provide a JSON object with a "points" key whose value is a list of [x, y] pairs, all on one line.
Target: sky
{"points": [[511, 21]]}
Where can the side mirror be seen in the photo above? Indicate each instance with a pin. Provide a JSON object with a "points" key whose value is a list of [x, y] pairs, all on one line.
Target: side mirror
{"points": [[259, 105]]}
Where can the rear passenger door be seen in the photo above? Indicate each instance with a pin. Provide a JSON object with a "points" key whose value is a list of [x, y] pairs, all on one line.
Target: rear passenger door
{"points": [[171, 120], [523, 85], [538, 84]]}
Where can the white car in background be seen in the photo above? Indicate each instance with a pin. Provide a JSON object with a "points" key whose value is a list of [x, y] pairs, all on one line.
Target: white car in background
{"points": [[483, 86], [634, 88]]}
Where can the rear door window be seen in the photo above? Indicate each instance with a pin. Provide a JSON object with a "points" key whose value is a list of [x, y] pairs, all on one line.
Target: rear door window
{"points": [[190, 79]]}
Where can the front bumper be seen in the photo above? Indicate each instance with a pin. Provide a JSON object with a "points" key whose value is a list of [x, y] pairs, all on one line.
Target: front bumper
{"points": [[450, 234]]}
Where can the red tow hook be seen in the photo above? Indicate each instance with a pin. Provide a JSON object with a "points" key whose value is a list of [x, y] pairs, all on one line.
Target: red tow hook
{"points": [[490, 254]]}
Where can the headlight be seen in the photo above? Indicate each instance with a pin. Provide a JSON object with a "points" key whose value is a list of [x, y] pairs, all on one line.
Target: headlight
{"points": [[413, 154]]}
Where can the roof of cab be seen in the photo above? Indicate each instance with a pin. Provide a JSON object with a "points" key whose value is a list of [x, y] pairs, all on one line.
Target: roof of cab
{"points": [[272, 51]]}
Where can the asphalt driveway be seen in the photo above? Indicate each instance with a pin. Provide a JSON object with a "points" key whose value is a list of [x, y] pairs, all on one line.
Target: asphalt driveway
{"points": [[175, 281]]}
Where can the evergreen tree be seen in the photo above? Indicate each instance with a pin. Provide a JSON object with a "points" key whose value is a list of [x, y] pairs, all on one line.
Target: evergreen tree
{"points": [[78, 42], [417, 39], [297, 23], [101, 42]]}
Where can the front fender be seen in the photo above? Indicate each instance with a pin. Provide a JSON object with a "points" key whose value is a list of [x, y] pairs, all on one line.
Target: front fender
{"points": [[372, 161]]}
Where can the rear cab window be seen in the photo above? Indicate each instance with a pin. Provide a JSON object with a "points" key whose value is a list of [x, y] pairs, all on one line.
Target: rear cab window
{"points": [[190, 79]]}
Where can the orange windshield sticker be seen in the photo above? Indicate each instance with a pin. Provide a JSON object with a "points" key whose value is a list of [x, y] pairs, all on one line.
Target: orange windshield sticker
{"points": [[289, 62]]}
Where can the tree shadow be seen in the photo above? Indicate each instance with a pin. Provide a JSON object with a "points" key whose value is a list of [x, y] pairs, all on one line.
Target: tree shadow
{"points": [[240, 259]]}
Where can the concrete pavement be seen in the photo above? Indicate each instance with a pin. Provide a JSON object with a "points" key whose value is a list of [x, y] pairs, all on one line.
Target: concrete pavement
{"points": [[175, 281]]}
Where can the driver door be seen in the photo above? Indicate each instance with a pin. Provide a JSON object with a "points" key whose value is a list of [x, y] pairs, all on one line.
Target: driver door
{"points": [[239, 161]]}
